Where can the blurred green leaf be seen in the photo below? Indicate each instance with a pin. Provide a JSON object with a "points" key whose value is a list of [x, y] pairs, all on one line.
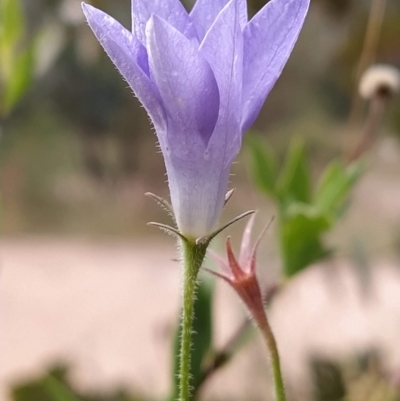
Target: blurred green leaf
{"points": [[327, 380], [336, 183], [57, 390], [263, 165], [303, 216], [16, 60], [294, 182], [11, 22], [42, 389], [202, 335], [54, 386], [20, 79], [300, 231]]}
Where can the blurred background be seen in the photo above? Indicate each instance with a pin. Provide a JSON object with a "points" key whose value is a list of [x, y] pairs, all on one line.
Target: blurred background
{"points": [[90, 293]]}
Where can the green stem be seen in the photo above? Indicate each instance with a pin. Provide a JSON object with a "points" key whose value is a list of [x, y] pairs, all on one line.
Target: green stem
{"points": [[275, 360], [193, 256]]}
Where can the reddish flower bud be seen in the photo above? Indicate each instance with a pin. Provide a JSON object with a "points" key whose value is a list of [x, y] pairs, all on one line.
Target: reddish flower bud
{"points": [[241, 274]]}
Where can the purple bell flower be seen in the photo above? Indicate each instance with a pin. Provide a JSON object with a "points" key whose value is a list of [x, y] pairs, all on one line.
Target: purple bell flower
{"points": [[203, 78]]}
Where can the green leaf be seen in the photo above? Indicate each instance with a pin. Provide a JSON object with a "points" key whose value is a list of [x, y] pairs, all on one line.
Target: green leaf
{"points": [[202, 335], [11, 22], [52, 386], [301, 227], [294, 182], [20, 78], [335, 185], [328, 382], [262, 165], [57, 390]]}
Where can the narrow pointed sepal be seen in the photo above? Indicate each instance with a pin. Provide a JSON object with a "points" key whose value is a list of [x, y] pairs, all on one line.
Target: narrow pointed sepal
{"points": [[252, 261], [236, 270], [161, 202], [168, 229], [229, 195], [241, 274], [208, 238], [219, 275]]}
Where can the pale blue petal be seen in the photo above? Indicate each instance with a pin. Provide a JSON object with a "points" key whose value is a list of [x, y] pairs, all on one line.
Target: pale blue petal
{"points": [[205, 12], [127, 53], [171, 11], [223, 49], [269, 39], [198, 189], [186, 84]]}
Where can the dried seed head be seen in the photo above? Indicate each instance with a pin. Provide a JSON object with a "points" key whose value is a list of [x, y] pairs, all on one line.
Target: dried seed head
{"points": [[379, 80]]}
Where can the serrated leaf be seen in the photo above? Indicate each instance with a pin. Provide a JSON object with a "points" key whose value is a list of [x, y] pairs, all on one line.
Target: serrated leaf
{"points": [[300, 233], [262, 166], [335, 185], [201, 338], [294, 182], [20, 79]]}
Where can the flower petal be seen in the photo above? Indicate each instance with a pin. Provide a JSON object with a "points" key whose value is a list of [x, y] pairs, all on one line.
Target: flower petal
{"points": [[197, 188], [129, 57], [186, 84], [222, 47], [171, 11], [269, 39], [205, 12]]}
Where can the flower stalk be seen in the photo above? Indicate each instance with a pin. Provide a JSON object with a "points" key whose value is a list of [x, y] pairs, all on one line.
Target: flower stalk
{"points": [[270, 341], [241, 275], [249, 290], [193, 254]]}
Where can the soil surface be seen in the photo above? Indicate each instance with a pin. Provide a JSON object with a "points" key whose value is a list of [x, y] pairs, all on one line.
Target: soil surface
{"points": [[108, 309]]}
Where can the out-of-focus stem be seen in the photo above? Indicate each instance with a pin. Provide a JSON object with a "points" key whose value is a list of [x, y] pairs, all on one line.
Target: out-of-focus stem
{"points": [[372, 123], [193, 256], [375, 21], [270, 341], [222, 356], [368, 53], [251, 296]]}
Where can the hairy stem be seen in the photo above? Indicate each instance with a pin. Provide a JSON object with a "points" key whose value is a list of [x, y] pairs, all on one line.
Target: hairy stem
{"points": [[193, 255]]}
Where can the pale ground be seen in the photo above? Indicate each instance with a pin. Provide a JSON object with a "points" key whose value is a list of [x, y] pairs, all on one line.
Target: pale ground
{"points": [[108, 308]]}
